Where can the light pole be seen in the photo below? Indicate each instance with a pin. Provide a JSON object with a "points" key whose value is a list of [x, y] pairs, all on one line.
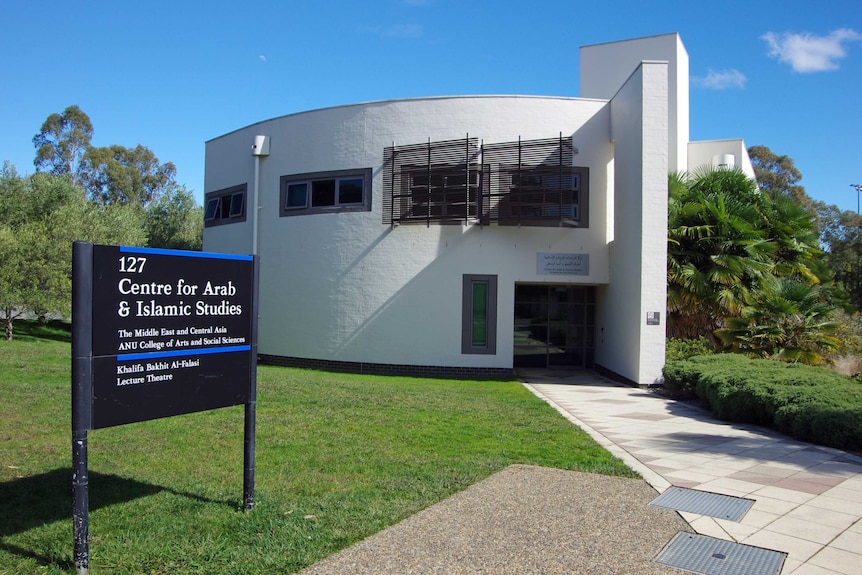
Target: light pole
{"points": [[858, 188]]}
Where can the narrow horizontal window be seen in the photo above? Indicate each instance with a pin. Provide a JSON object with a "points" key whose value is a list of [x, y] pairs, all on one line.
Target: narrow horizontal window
{"points": [[225, 206], [326, 192]]}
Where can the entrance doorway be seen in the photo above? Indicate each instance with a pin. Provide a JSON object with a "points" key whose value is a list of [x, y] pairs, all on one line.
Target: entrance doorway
{"points": [[554, 326]]}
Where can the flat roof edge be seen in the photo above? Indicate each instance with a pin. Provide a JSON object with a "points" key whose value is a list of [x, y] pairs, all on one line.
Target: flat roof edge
{"points": [[415, 99], [676, 34]]}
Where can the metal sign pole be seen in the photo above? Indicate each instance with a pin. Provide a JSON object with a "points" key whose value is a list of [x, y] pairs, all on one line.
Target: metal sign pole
{"points": [[251, 405], [82, 352]]}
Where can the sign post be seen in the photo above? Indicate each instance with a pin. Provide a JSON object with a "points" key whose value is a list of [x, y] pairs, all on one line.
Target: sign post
{"points": [[158, 333]]}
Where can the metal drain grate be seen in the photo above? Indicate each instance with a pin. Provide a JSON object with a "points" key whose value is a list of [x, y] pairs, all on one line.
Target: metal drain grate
{"points": [[711, 556], [704, 503]]}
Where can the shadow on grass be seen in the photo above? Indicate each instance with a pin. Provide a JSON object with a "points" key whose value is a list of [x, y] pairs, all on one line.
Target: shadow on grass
{"points": [[30, 330], [38, 500]]}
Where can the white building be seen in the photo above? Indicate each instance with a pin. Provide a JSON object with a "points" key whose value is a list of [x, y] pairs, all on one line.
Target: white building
{"points": [[468, 235]]}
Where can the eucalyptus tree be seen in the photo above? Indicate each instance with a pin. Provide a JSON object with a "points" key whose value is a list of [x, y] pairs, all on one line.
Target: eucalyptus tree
{"points": [[841, 236], [62, 142], [777, 174], [116, 174]]}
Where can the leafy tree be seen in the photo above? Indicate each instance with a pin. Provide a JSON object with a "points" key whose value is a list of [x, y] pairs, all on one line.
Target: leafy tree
{"points": [[840, 233], [116, 174], [40, 217], [12, 276], [175, 221], [777, 175], [32, 228], [62, 142], [841, 236]]}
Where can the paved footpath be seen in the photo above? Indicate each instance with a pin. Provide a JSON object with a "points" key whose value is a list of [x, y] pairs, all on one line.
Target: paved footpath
{"points": [[807, 498]]}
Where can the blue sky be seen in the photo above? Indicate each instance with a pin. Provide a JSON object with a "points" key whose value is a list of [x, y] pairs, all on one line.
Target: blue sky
{"points": [[173, 74]]}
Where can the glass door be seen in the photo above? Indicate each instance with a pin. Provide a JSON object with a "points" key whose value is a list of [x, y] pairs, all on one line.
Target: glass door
{"points": [[554, 325]]}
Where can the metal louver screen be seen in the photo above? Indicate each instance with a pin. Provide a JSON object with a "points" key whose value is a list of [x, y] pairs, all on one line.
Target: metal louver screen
{"points": [[529, 182]]}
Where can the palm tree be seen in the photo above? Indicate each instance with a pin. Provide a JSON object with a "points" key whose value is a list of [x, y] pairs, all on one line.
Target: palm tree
{"points": [[744, 266], [784, 319], [717, 249]]}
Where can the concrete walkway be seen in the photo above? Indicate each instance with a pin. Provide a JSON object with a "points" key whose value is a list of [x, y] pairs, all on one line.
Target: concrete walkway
{"points": [[807, 499]]}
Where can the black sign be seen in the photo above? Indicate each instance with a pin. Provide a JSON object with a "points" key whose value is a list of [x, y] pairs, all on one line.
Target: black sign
{"points": [[172, 332]]}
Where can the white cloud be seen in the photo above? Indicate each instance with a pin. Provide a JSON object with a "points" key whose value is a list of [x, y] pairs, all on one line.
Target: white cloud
{"points": [[722, 79], [262, 58], [809, 53]]}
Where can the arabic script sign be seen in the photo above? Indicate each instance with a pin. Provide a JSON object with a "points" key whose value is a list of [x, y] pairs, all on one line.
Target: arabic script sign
{"points": [[548, 264]]}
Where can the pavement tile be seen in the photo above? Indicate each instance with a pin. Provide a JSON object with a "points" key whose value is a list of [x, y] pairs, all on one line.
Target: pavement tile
{"points": [[708, 526], [839, 560], [841, 468], [796, 548], [807, 457], [804, 485], [738, 531], [772, 505], [689, 476], [757, 518], [808, 569], [807, 512], [807, 530], [784, 494], [825, 501], [853, 483], [747, 475], [733, 484], [734, 463], [849, 541]]}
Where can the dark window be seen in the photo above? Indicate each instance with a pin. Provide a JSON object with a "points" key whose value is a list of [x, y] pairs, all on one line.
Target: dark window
{"points": [[350, 191], [479, 314], [323, 193], [296, 196], [237, 202], [225, 206], [530, 183], [535, 183], [446, 193], [326, 192], [540, 195]]}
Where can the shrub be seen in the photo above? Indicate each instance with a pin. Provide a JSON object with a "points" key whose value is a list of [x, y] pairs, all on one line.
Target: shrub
{"points": [[810, 403], [679, 349]]}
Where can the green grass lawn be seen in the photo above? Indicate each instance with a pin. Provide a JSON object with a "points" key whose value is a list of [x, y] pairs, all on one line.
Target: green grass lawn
{"points": [[339, 457]]}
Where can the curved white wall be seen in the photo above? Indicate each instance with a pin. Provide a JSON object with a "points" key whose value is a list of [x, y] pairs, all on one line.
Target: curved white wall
{"points": [[346, 287]]}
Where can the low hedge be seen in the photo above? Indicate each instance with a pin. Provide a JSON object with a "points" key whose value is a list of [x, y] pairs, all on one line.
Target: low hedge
{"points": [[812, 404]]}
